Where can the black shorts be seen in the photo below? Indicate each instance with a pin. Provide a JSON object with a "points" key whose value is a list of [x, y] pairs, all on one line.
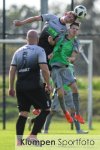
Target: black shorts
{"points": [[37, 98]]}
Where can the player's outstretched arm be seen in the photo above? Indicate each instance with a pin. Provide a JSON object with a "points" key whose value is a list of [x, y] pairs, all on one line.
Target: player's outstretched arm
{"points": [[28, 20]]}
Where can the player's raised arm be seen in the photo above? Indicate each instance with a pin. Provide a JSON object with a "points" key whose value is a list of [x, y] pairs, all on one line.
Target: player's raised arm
{"points": [[28, 20]]}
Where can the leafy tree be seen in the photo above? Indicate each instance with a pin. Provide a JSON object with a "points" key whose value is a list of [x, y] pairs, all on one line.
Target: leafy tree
{"points": [[13, 13], [90, 27]]}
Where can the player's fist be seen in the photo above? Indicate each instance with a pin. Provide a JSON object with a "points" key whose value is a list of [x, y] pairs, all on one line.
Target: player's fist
{"points": [[17, 22], [12, 92], [48, 89]]}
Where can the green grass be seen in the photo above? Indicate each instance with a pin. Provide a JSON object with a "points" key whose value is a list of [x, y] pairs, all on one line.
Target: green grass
{"points": [[58, 126], [7, 137]]}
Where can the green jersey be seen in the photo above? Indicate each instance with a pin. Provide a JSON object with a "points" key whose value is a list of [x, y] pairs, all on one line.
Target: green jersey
{"points": [[52, 32], [63, 49]]}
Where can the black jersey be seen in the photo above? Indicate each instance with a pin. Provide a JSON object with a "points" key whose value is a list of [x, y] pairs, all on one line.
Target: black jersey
{"points": [[27, 60]]}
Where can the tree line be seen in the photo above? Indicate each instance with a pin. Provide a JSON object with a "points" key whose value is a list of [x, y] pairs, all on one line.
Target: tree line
{"points": [[90, 26]]}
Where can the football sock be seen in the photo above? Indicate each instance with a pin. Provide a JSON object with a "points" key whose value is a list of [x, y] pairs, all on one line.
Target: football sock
{"points": [[62, 104], [20, 125], [76, 102], [39, 122], [48, 121], [77, 124]]}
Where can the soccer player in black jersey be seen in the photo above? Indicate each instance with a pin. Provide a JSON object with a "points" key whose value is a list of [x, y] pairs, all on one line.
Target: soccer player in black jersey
{"points": [[26, 63]]}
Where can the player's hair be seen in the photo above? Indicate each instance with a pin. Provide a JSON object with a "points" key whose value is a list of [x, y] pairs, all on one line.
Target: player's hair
{"points": [[75, 23], [75, 16]]}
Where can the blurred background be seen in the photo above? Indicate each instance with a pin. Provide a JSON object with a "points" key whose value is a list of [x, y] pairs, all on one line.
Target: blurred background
{"points": [[90, 27], [90, 30]]}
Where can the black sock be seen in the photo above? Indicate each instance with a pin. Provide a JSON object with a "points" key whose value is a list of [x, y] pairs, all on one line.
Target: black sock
{"points": [[20, 125], [32, 120], [76, 102], [39, 122]]}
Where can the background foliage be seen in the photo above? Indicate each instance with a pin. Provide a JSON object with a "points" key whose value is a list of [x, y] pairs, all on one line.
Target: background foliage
{"points": [[89, 30], [90, 27]]}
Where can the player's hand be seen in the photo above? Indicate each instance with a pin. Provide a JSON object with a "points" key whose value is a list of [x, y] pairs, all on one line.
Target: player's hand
{"points": [[17, 22], [71, 59], [48, 88], [51, 41], [12, 92], [50, 56]]}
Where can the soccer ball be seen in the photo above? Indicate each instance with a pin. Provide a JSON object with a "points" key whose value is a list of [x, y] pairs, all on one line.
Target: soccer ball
{"points": [[80, 11]]}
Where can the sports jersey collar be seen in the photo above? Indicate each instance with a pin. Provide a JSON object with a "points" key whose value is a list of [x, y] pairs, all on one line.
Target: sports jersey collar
{"points": [[66, 37], [61, 22]]}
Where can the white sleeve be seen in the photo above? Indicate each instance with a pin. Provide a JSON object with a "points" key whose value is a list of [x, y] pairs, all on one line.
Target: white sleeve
{"points": [[42, 56], [14, 60], [47, 17]]}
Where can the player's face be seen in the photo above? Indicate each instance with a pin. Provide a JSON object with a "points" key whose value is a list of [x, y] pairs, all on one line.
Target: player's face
{"points": [[69, 17], [74, 30]]}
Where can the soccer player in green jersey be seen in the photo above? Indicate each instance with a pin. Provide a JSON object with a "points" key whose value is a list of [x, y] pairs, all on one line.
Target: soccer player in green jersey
{"points": [[53, 25], [55, 107], [65, 51]]}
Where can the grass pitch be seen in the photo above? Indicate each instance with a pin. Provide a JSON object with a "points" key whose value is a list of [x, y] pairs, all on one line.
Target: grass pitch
{"points": [[60, 127]]}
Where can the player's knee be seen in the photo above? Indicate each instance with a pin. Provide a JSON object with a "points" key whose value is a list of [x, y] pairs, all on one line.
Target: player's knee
{"points": [[60, 93], [74, 89], [23, 113], [60, 96]]}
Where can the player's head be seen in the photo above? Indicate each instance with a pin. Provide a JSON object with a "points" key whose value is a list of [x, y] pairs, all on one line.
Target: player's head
{"points": [[32, 37], [74, 28], [76, 23], [69, 17]]}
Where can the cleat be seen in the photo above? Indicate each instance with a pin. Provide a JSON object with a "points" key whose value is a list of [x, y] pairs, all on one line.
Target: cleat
{"points": [[68, 117], [79, 118], [82, 132], [36, 111], [29, 123]]}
